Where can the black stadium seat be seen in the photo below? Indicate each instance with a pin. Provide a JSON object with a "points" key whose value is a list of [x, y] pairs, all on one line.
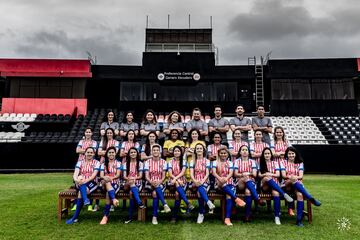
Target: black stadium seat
{"points": [[67, 117]]}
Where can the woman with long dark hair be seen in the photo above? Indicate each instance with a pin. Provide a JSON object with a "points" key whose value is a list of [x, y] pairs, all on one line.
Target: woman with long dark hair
{"points": [[133, 174], [174, 121], [293, 173], [128, 143], [128, 124], [84, 177], [212, 149], [280, 144], [177, 181], [149, 124], [108, 140], [155, 172], [258, 146], [236, 143], [86, 142], [110, 172], [146, 149], [269, 174], [109, 122], [245, 170], [222, 170], [199, 173]]}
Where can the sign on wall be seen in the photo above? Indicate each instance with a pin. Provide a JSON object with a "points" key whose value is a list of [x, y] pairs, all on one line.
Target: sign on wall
{"points": [[178, 76]]}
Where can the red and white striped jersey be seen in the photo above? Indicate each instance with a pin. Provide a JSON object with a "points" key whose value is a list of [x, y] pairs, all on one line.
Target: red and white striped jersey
{"points": [[111, 143], [200, 166], [293, 169], [133, 171], [213, 149], [114, 166], [174, 165], [87, 168], [235, 146], [280, 147], [223, 169], [84, 144], [127, 145], [244, 166], [272, 167], [258, 148], [155, 168]]}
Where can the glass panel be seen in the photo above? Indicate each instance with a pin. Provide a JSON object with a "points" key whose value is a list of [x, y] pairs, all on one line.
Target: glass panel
{"points": [[201, 92], [131, 91]]}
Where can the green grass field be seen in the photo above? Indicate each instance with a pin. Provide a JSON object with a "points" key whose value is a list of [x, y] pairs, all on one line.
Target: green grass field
{"points": [[28, 211]]}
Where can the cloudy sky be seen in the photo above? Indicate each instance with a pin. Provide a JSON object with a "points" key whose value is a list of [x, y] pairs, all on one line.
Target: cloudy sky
{"points": [[114, 30]]}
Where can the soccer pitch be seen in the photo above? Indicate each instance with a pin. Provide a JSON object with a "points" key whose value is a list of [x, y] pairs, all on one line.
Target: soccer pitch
{"points": [[29, 202]]}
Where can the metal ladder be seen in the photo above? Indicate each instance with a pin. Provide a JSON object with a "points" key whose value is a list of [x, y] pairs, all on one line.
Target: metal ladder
{"points": [[259, 79]]}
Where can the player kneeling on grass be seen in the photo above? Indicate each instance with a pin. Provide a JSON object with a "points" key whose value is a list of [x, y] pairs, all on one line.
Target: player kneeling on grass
{"points": [[269, 174], [293, 172], [110, 172], [199, 173], [245, 170], [222, 169], [133, 173], [84, 177], [155, 172]]}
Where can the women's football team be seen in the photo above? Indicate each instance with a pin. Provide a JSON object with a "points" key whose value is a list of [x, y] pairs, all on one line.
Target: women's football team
{"points": [[237, 167]]}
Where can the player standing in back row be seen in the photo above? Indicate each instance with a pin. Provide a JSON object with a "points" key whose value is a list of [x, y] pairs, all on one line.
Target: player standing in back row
{"points": [[262, 123]]}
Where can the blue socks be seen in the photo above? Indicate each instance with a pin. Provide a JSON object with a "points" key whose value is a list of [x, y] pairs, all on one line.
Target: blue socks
{"points": [[229, 205], [203, 194], [176, 208], [277, 206], [107, 209], [131, 208], [155, 207], [182, 194], [251, 186], [201, 205], [160, 195], [111, 194], [227, 189], [83, 193], [298, 186], [248, 201], [299, 211], [275, 187], [135, 192], [79, 205]]}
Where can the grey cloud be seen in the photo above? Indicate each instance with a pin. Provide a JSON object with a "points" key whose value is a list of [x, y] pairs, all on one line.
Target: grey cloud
{"points": [[59, 45], [272, 20], [290, 47]]}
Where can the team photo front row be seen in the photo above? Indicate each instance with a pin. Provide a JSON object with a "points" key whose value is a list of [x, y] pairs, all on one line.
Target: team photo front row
{"points": [[194, 170]]}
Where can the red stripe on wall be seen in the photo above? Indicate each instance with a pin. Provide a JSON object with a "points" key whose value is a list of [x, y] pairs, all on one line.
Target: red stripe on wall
{"points": [[44, 105], [45, 68]]}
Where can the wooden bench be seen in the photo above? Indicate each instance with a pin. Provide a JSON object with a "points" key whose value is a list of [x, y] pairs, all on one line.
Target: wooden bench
{"points": [[65, 197]]}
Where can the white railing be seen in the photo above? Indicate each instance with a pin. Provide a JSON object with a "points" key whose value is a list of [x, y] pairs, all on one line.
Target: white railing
{"points": [[179, 47]]}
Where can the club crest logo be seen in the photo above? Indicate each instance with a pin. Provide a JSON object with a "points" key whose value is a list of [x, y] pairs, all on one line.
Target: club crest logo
{"points": [[20, 127], [161, 76]]}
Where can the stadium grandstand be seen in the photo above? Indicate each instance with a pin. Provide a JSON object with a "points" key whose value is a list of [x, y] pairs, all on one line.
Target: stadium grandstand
{"points": [[46, 104]]}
